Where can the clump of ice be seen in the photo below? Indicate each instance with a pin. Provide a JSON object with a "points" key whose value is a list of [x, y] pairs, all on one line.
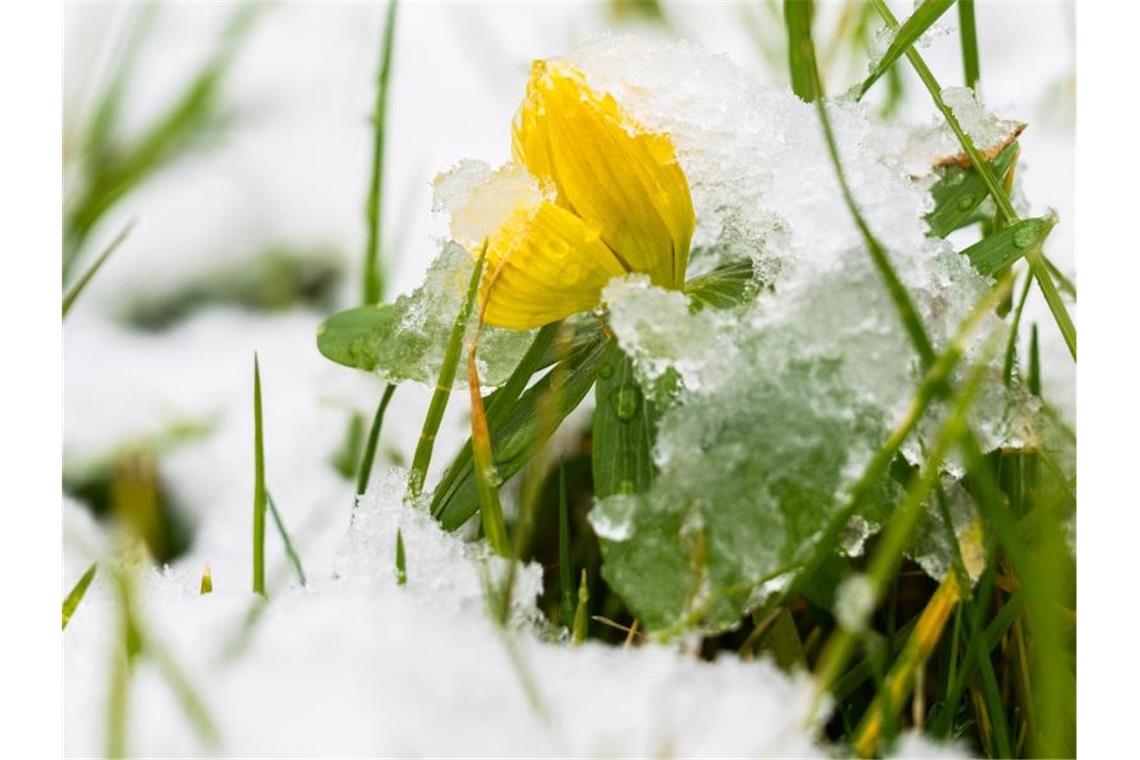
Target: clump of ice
{"points": [[854, 602], [480, 200]]}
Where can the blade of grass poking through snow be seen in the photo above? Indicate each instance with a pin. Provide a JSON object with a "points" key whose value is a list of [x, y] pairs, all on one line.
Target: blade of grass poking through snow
{"points": [[372, 280], [565, 556], [1014, 330], [486, 479], [801, 52], [259, 493], [369, 457], [206, 584], [897, 532], [968, 30], [923, 17], [401, 560], [294, 559], [74, 292], [75, 596], [1036, 259], [582, 611], [422, 458]]}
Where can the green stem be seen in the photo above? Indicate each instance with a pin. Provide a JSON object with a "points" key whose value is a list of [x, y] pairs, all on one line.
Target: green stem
{"points": [[294, 558], [422, 458], [967, 29], [76, 289], [259, 494], [373, 284], [373, 441]]}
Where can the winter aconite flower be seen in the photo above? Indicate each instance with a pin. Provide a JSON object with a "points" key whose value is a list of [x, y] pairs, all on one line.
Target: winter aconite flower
{"points": [[600, 195]]}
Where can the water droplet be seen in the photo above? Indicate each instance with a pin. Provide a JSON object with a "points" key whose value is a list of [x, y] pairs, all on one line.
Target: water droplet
{"points": [[1024, 235], [965, 203], [605, 371], [626, 401]]}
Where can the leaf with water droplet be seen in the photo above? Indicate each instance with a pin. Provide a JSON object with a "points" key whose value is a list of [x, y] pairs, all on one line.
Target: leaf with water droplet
{"points": [[959, 192], [993, 254], [623, 430]]}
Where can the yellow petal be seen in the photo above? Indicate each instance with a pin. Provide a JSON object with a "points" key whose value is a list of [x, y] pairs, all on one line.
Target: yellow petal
{"points": [[608, 169], [544, 264]]}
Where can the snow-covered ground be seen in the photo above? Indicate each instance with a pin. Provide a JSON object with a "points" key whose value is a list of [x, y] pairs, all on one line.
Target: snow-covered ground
{"points": [[353, 664]]}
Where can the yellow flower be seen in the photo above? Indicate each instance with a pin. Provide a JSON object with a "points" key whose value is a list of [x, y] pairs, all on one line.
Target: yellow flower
{"points": [[619, 203]]}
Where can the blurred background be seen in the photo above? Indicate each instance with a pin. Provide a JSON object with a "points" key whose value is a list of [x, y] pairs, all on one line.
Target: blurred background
{"points": [[235, 142]]}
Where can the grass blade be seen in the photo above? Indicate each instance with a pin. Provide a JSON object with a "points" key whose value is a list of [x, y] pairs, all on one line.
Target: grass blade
{"points": [[75, 596], [798, 16], [401, 560], [967, 29], [206, 585], [373, 283], [923, 17], [422, 458], [565, 557], [373, 441], [959, 193], [259, 493], [76, 289], [294, 559], [582, 612]]}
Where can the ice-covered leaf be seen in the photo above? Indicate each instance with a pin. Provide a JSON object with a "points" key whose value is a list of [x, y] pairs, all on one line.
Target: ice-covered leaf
{"points": [[959, 192], [623, 428], [406, 340], [994, 253]]}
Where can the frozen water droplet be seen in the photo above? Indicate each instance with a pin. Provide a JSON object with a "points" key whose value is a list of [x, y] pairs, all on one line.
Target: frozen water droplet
{"points": [[1024, 236], [605, 372], [966, 202], [612, 517], [626, 401]]}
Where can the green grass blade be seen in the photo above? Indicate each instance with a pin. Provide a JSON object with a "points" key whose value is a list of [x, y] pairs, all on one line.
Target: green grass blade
{"points": [[923, 17], [992, 254], [422, 458], [401, 560], [959, 192], [84, 279], [75, 596], [373, 283], [623, 429], [259, 492], [565, 556], [369, 457], [206, 584], [582, 612], [1034, 362], [967, 29], [1036, 259], [1014, 330], [801, 51], [294, 558]]}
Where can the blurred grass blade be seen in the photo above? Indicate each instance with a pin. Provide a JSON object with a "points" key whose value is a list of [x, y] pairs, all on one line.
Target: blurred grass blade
{"points": [[1034, 362], [75, 596], [923, 17], [369, 457], [959, 192], [206, 584], [259, 492], [801, 51], [401, 560], [565, 555], [294, 558], [487, 480], [582, 612], [967, 29], [992, 254], [76, 289], [623, 429], [422, 458], [1037, 261], [372, 280]]}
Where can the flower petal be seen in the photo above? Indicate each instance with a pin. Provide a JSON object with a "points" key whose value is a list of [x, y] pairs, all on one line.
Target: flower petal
{"points": [[544, 264], [608, 169]]}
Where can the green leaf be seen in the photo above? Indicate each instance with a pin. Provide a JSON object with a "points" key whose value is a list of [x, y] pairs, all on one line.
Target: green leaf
{"points": [[75, 596], [407, 339], [992, 254], [922, 19], [959, 192], [515, 430], [801, 51], [730, 284], [623, 428]]}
